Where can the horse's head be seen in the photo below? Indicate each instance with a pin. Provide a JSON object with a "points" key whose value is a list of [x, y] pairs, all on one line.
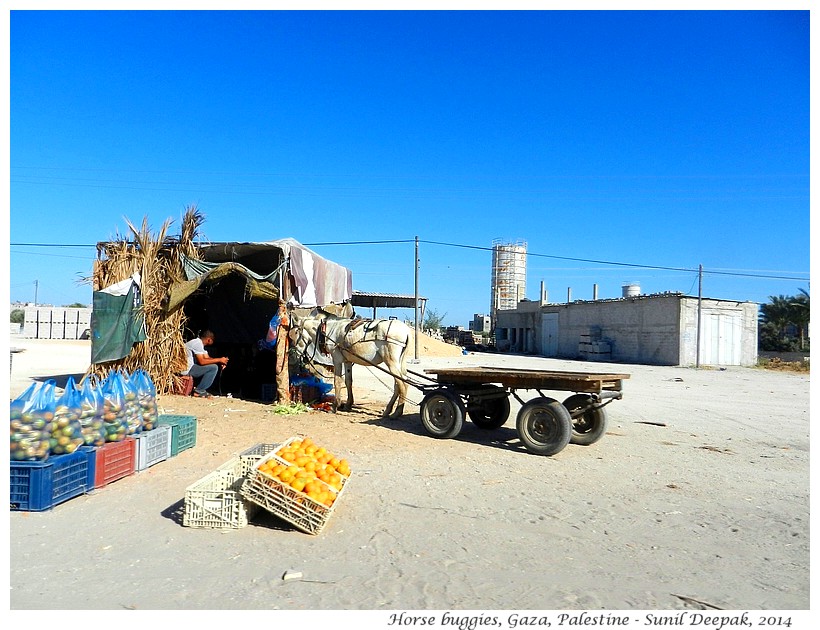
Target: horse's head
{"points": [[303, 332]]}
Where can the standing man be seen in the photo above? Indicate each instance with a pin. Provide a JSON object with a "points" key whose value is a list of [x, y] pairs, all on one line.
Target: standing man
{"points": [[282, 344], [201, 366]]}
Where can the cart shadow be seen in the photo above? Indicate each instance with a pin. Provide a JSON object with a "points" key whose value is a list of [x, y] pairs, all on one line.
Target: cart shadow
{"points": [[504, 438]]}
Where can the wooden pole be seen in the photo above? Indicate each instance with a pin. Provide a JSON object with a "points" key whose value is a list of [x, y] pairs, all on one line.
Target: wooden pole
{"points": [[416, 302], [700, 312]]}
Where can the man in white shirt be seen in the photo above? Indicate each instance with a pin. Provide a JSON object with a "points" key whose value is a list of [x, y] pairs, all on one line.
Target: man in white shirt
{"points": [[201, 366]]}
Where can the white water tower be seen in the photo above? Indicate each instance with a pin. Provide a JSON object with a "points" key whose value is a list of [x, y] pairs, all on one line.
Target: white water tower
{"points": [[509, 276], [631, 289]]}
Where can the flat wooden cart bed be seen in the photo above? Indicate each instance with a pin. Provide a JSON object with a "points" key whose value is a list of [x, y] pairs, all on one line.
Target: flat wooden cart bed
{"points": [[544, 424]]}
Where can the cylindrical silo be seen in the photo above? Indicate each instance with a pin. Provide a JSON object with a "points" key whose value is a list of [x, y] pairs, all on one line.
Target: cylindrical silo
{"points": [[631, 289], [509, 275]]}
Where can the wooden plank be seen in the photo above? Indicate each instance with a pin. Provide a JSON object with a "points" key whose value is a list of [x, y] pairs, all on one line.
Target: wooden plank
{"points": [[531, 379]]}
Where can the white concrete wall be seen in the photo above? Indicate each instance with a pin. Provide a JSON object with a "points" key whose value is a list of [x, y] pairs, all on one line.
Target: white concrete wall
{"points": [[52, 322], [652, 330]]}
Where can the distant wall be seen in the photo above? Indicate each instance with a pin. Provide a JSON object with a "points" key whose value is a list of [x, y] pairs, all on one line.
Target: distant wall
{"points": [[52, 322]]}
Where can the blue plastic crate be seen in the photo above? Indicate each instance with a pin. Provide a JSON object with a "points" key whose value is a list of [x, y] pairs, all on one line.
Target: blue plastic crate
{"points": [[38, 486], [183, 431], [91, 456]]}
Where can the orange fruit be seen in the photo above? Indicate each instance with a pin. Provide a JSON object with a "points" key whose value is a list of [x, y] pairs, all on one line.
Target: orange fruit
{"points": [[298, 484], [334, 461]]}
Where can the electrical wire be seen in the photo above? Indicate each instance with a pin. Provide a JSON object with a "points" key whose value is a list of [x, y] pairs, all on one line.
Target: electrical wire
{"points": [[489, 249]]}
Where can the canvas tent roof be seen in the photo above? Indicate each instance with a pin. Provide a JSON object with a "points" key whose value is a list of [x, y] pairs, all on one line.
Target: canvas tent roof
{"points": [[300, 275]]}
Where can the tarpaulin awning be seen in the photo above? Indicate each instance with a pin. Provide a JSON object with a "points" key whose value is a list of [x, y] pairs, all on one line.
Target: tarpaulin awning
{"points": [[316, 281], [117, 322]]}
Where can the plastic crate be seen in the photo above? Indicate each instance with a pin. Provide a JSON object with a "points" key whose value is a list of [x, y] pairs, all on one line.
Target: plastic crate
{"points": [[114, 461], [268, 392], [289, 504], [91, 458], [183, 432], [38, 486], [215, 501], [251, 456], [152, 447]]}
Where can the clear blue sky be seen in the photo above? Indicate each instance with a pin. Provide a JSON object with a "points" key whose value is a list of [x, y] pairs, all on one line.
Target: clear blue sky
{"points": [[655, 139]]}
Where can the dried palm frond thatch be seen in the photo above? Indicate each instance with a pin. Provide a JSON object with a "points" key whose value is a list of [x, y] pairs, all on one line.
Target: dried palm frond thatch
{"points": [[157, 258]]}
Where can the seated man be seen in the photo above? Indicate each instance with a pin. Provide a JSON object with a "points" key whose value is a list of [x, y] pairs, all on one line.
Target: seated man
{"points": [[201, 366]]}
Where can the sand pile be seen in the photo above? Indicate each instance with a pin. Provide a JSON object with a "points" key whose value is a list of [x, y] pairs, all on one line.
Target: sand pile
{"points": [[429, 347]]}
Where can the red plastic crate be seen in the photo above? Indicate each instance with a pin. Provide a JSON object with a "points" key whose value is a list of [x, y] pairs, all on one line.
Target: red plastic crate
{"points": [[114, 461]]}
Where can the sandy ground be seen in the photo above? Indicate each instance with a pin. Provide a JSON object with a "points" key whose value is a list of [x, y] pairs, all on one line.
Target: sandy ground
{"points": [[696, 498]]}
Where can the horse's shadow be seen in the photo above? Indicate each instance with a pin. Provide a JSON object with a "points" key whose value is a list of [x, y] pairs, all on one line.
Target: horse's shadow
{"points": [[505, 437]]}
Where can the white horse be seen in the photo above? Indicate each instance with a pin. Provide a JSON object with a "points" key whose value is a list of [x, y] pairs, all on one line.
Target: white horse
{"points": [[361, 341]]}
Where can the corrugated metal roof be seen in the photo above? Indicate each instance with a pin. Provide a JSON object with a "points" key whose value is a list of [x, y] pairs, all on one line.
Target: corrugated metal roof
{"points": [[383, 300]]}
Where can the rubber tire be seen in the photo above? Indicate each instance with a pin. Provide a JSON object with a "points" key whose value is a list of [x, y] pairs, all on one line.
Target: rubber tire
{"points": [[493, 414], [442, 413], [590, 427], [544, 426]]}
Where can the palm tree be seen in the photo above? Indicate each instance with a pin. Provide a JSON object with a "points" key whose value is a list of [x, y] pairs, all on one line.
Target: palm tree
{"points": [[777, 313], [801, 314]]}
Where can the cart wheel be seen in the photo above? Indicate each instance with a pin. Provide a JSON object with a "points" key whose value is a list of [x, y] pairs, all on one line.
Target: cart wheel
{"points": [[544, 426], [589, 427], [442, 413], [490, 413]]}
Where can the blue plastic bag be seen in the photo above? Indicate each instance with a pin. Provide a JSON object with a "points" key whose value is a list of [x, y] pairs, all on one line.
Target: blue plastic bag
{"points": [[91, 412], [113, 391], [66, 431], [146, 397], [31, 422]]}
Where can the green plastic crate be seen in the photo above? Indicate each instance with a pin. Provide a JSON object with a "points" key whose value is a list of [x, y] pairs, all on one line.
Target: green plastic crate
{"points": [[183, 431]]}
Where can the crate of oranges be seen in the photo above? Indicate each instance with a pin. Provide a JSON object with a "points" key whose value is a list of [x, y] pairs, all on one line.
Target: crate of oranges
{"points": [[300, 482]]}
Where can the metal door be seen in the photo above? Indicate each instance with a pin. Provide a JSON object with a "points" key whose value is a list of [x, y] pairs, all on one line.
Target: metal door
{"points": [[721, 339], [549, 334]]}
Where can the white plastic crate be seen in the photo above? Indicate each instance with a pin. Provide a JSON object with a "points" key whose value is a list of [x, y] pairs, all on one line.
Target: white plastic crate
{"points": [[251, 456], [215, 501], [152, 447], [281, 500]]}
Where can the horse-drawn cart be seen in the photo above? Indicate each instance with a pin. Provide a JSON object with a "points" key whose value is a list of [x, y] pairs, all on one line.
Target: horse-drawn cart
{"points": [[544, 425]]}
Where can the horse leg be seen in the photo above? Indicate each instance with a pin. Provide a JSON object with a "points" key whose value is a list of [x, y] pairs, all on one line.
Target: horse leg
{"points": [[400, 393], [349, 385], [337, 386]]}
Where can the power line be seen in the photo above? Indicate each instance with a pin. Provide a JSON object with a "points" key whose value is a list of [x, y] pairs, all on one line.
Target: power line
{"points": [[489, 249]]}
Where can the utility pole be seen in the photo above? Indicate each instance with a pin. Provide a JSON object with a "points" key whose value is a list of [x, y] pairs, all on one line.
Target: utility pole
{"points": [[700, 311], [36, 286], [416, 302]]}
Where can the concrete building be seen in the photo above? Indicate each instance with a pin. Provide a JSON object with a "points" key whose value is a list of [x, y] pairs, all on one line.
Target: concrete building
{"points": [[658, 329], [481, 323]]}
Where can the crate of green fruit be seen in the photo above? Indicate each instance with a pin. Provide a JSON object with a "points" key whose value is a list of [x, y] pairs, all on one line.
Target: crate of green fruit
{"points": [[39, 486]]}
